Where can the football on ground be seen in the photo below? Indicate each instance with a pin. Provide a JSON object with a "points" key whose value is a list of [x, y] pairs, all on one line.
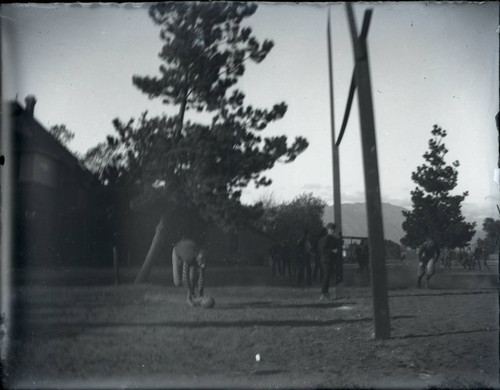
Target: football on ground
{"points": [[207, 302]]}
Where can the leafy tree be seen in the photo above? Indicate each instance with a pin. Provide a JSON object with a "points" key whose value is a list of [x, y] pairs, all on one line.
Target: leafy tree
{"points": [[392, 249], [202, 167], [492, 229], [287, 221], [106, 162], [436, 213], [62, 134]]}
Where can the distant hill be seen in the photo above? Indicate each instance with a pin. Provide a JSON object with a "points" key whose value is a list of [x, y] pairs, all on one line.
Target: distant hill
{"points": [[477, 213], [354, 221]]}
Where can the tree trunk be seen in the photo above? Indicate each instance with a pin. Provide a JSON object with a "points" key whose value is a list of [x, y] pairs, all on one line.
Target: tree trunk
{"points": [[155, 247], [153, 252], [182, 111]]}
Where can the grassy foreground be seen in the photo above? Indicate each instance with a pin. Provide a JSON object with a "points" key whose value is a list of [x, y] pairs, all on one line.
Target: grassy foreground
{"points": [[138, 336]]}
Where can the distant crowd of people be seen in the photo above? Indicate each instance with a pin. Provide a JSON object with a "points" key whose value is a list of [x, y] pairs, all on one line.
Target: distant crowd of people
{"points": [[466, 257], [315, 258]]}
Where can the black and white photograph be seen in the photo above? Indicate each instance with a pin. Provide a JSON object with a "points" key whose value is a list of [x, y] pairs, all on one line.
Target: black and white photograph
{"points": [[253, 195]]}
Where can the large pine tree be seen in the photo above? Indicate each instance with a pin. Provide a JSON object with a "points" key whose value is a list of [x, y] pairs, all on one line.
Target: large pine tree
{"points": [[201, 167], [435, 212]]}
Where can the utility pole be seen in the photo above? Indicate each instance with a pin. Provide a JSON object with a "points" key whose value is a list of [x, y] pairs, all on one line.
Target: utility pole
{"points": [[335, 150], [337, 205], [372, 185]]}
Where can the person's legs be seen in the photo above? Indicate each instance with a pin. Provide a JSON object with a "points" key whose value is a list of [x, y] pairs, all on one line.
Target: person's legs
{"points": [[186, 281], [176, 269], [421, 273], [327, 269], [193, 277], [317, 268], [430, 269], [321, 271]]}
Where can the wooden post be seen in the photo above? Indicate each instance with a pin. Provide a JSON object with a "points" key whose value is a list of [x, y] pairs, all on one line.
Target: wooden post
{"points": [[115, 265], [8, 204], [372, 185], [335, 150], [337, 204]]}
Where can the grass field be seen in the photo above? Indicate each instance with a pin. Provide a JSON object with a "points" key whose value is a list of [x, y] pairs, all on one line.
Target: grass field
{"points": [[145, 336]]}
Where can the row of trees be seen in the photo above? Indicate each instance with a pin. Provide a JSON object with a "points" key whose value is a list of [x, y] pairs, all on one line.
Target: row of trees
{"points": [[492, 229], [201, 167], [286, 221]]}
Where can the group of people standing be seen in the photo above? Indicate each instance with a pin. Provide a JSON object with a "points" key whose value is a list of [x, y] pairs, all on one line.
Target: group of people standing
{"points": [[310, 258]]}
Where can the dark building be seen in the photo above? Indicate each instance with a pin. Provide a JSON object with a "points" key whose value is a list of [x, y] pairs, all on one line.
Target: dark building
{"points": [[244, 246], [59, 216], [65, 217]]}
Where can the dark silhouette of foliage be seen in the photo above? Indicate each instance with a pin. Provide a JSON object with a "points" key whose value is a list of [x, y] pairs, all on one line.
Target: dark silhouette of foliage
{"points": [[492, 229], [392, 249], [287, 220], [103, 160], [203, 166], [436, 213], [62, 134]]}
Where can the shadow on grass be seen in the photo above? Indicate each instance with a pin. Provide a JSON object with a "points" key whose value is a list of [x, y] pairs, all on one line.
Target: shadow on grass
{"points": [[268, 372], [274, 305], [416, 336], [64, 329], [492, 291]]}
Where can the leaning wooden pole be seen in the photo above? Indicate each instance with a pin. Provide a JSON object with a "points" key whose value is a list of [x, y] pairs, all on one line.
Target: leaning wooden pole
{"points": [[372, 185]]}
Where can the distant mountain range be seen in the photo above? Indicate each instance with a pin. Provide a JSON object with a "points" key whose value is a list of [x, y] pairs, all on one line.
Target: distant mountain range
{"points": [[354, 221]]}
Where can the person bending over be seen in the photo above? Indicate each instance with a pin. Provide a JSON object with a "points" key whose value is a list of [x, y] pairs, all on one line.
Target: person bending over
{"points": [[190, 260]]}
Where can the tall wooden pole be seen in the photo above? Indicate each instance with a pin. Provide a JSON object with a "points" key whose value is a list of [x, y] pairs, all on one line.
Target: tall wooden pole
{"points": [[337, 205], [335, 150], [372, 185], [7, 199]]}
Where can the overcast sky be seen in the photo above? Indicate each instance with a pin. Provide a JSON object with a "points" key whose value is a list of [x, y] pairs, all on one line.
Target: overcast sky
{"points": [[430, 64]]}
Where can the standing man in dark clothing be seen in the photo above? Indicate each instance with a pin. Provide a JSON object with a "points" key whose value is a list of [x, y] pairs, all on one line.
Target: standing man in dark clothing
{"points": [[362, 255], [339, 260], [478, 256], [304, 253], [328, 248], [318, 269]]}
